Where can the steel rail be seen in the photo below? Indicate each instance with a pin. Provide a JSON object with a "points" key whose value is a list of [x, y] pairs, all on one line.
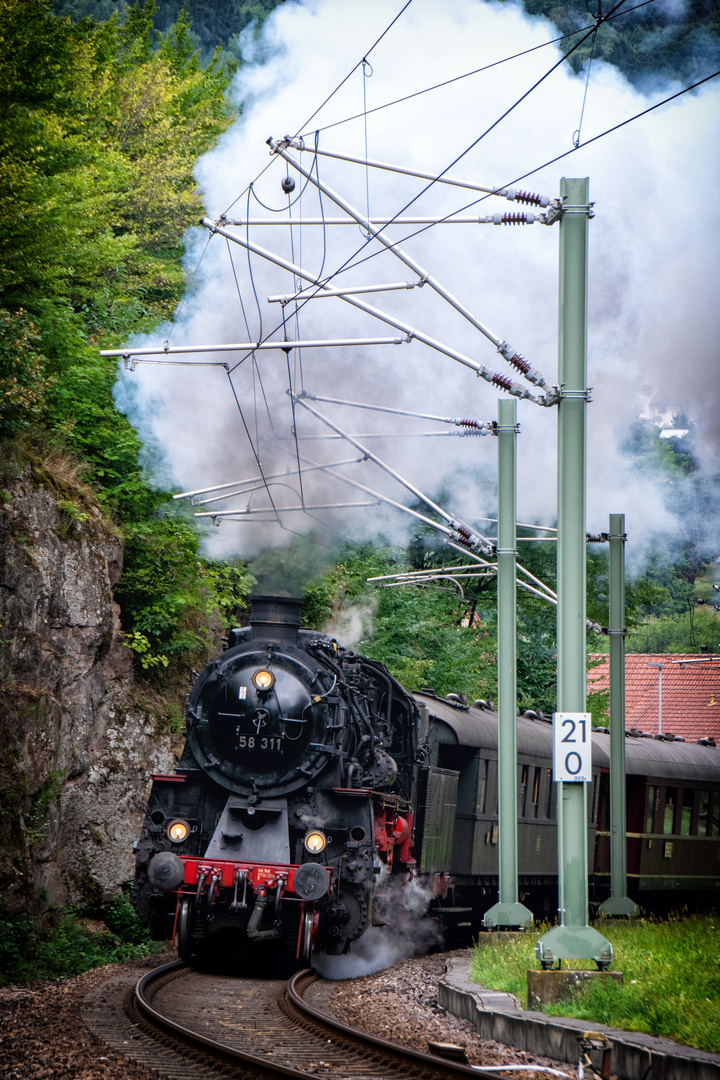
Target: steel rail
{"points": [[301, 982], [400, 1060]]}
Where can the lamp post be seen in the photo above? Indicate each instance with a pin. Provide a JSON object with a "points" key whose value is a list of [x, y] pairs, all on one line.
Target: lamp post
{"points": [[660, 671]]}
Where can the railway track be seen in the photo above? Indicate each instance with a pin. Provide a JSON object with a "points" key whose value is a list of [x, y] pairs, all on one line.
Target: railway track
{"points": [[183, 1023]]}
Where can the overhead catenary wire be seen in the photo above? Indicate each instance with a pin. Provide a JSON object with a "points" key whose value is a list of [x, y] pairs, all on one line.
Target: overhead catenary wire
{"points": [[608, 131], [475, 71], [331, 95], [255, 482], [484, 426], [252, 446], [552, 161], [436, 179], [459, 157], [607, 18], [638, 115], [412, 332], [503, 347], [492, 126], [470, 535]]}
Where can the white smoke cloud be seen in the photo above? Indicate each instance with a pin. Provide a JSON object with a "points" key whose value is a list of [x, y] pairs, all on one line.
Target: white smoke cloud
{"points": [[408, 931], [654, 320]]}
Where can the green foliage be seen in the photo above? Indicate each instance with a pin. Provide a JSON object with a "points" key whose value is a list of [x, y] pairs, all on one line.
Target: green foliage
{"points": [[122, 920], [100, 128], [142, 648], [214, 23], [697, 629], [417, 633], [62, 945], [671, 980], [169, 595], [23, 388], [647, 44], [36, 818]]}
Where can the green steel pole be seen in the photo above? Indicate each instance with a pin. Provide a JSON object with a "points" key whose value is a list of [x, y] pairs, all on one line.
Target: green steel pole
{"points": [[508, 911], [618, 902], [574, 938]]}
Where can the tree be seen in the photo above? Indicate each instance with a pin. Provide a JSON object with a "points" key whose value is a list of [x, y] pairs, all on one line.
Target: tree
{"points": [[100, 128]]}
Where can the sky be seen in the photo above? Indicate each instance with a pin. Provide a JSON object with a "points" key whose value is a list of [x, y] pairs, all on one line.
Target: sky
{"points": [[654, 317]]}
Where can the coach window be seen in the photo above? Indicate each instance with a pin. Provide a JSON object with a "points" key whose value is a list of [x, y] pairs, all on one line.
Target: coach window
{"points": [[492, 802], [652, 802], [482, 785], [535, 792], [522, 791], [703, 813], [670, 804], [714, 813], [688, 803], [594, 791]]}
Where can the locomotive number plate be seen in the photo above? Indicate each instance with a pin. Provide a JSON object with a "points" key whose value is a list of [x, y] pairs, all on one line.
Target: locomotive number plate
{"points": [[572, 747], [271, 743]]}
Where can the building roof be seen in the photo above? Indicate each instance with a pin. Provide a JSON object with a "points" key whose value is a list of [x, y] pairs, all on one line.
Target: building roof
{"points": [[690, 693]]}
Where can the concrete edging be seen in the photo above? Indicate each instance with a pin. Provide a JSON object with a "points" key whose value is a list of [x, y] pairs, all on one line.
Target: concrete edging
{"points": [[635, 1056]]}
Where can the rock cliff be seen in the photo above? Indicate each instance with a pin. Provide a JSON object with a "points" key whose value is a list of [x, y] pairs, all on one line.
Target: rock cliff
{"points": [[78, 736]]}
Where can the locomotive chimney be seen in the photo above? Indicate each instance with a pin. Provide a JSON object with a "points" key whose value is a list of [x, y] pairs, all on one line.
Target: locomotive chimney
{"points": [[275, 617]]}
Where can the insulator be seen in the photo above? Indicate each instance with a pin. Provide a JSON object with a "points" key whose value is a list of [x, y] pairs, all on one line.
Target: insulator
{"points": [[501, 380], [514, 219], [529, 198], [463, 531], [463, 541], [519, 363], [470, 423]]}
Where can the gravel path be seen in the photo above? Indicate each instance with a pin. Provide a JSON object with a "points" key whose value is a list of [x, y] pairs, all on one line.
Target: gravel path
{"points": [[42, 1036]]}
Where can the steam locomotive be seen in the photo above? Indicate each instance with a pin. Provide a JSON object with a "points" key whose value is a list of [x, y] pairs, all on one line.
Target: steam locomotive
{"points": [[311, 782], [295, 791]]}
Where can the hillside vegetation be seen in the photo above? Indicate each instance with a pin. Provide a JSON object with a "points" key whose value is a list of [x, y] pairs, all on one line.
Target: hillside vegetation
{"points": [[101, 124]]}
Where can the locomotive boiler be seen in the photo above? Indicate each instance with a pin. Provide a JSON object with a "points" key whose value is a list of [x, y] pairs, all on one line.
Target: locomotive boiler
{"points": [[294, 794]]}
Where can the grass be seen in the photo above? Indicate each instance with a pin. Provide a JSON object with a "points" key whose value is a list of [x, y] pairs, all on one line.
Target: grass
{"points": [[671, 975], [66, 944]]}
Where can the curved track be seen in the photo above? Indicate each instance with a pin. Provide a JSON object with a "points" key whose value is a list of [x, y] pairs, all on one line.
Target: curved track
{"points": [[262, 1029]]}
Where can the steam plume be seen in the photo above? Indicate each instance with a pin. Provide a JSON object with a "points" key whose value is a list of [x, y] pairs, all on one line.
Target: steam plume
{"points": [[653, 317]]}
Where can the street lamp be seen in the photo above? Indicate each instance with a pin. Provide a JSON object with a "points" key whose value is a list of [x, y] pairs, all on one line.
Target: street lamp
{"points": [[660, 671]]}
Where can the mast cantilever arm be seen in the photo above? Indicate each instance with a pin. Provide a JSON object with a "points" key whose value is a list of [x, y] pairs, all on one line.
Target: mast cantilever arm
{"points": [[504, 193], [412, 332], [471, 535], [503, 347]]}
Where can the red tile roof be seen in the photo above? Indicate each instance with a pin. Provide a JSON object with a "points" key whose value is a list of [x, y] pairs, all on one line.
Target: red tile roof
{"points": [[690, 693]]}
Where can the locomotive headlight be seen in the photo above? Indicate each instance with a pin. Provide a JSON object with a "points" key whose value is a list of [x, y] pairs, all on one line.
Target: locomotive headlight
{"points": [[263, 679], [315, 842], [178, 831]]}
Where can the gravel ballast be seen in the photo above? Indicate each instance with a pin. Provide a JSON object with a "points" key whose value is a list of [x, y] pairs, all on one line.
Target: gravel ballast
{"points": [[43, 1036]]}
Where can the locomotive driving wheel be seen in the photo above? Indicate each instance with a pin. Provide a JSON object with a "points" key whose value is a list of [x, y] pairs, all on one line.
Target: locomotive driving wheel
{"points": [[184, 929], [308, 927]]}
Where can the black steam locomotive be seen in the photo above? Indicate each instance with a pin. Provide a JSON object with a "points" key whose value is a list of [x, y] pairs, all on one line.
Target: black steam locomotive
{"points": [[311, 782], [295, 791]]}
